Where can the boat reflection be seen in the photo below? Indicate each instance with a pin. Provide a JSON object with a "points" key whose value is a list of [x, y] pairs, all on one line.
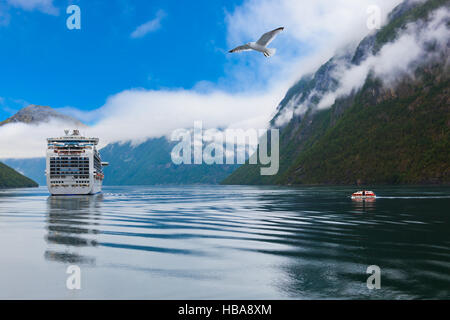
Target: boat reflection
{"points": [[367, 204], [72, 226]]}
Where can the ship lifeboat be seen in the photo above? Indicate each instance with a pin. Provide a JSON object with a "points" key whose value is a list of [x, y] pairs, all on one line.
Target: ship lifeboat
{"points": [[364, 195], [99, 176]]}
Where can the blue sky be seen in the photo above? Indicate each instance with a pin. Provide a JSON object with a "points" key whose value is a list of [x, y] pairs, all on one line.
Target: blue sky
{"points": [[42, 62]]}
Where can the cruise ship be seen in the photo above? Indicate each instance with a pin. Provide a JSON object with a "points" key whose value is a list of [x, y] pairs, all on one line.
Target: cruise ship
{"points": [[73, 165]]}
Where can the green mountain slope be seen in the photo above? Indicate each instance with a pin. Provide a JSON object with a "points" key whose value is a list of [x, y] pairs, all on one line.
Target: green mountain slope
{"points": [[404, 139], [9, 178], [376, 135], [33, 168]]}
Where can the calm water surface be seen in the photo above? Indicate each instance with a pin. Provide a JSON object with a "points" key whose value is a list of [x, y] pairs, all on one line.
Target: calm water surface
{"points": [[216, 242]]}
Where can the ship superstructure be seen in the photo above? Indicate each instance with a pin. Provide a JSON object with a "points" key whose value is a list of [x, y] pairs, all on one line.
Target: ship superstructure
{"points": [[74, 166]]}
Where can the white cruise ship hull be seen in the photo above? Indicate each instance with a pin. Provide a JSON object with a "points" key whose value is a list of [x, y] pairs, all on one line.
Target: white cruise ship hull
{"points": [[67, 190]]}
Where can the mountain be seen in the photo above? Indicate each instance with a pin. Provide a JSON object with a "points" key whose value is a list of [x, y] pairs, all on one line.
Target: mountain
{"points": [[33, 168], [150, 163], [9, 178], [34, 114], [398, 134]]}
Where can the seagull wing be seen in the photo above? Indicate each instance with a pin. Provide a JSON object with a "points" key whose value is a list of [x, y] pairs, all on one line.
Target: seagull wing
{"points": [[245, 47], [267, 38]]}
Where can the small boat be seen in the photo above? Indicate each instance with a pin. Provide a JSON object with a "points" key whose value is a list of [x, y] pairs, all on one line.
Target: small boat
{"points": [[364, 195]]}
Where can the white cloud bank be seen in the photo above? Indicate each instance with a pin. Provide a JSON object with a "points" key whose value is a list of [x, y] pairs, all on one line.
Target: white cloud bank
{"points": [[139, 114], [171, 110], [398, 58], [246, 97]]}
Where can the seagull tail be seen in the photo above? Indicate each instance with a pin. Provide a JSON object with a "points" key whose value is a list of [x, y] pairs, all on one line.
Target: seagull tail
{"points": [[270, 52]]}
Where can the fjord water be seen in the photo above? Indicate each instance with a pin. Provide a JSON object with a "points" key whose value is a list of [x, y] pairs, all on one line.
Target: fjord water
{"points": [[225, 242]]}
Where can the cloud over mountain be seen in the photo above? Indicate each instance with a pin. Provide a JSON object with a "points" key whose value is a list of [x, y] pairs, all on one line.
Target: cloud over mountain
{"points": [[398, 58]]}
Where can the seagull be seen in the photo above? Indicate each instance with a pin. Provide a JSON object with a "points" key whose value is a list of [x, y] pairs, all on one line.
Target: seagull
{"points": [[261, 44]]}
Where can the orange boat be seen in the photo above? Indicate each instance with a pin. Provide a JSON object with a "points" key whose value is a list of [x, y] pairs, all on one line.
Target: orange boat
{"points": [[364, 195]]}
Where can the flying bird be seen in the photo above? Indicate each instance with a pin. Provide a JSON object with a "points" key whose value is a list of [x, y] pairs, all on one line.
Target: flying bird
{"points": [[261, 44]]}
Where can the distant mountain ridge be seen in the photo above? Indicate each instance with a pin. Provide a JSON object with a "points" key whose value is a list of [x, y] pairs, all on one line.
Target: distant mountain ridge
{"points": [[374, 135], [35, 114], [148, 163]]}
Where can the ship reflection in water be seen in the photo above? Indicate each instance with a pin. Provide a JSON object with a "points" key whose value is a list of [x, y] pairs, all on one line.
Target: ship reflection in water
{"points": [[72, 225]]}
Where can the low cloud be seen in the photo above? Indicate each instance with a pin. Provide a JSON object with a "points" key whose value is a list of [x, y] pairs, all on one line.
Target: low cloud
{"points": [[394, 61], [88, 117], [398, 58], [140, 114], [149, 26], [20, 140]]}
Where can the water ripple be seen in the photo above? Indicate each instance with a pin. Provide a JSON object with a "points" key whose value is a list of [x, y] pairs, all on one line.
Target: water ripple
{"points": [[238, 242]]}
